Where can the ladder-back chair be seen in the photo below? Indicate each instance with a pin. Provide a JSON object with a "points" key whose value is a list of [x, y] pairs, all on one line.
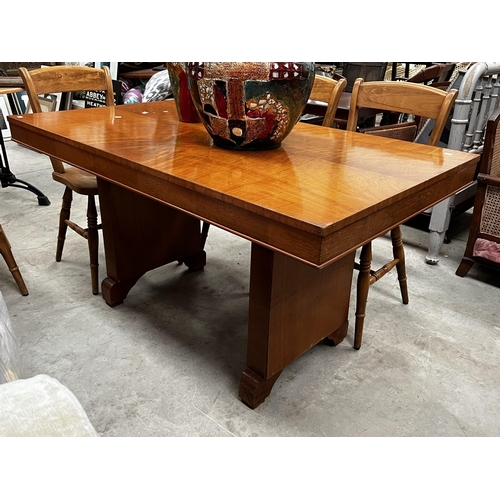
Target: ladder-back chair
{"points": [[329, 91], [400, 97], [483, 244], [63, 79]]}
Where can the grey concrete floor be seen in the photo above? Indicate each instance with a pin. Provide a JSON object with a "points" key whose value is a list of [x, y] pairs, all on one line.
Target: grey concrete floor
{"points": [[167, 361]]}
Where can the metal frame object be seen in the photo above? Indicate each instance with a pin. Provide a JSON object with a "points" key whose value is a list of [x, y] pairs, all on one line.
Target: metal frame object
{"points": [[478, 97]]}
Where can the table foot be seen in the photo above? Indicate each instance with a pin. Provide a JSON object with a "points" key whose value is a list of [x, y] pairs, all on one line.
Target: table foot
{"points": [[337, 336], [253, 389], [114, 293], [196, 262]]}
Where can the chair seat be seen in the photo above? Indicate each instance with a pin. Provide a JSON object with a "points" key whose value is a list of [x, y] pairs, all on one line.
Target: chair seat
{"points": [[77, 180]]}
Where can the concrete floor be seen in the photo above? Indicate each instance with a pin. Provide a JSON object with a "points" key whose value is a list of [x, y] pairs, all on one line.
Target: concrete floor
{"points": [[167, 361]]}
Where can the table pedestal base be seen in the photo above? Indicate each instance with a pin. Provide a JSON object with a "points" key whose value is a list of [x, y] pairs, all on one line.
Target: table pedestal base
{"points": [[293, 306], [141, 234]]}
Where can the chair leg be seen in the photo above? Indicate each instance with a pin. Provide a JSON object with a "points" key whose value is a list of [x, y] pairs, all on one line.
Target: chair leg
{"points": [[363, 285], [464, 267], [204, 233], [64, 215], [8, 256], [93, 242], [399, 253]]}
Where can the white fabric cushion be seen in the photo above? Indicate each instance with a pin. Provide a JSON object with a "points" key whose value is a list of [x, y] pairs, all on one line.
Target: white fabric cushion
{"points": [[41, 407]]}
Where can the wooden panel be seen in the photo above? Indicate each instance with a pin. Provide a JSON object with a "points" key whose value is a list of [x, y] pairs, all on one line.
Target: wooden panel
{"points": [[291, 307], [141, 234]]}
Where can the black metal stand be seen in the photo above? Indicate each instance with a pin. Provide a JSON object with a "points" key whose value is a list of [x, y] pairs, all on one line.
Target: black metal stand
{"points": [[9, 179]]}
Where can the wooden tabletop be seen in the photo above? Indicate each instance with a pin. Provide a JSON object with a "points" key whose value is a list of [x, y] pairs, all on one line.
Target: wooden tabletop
{"points": [[323, 193]]}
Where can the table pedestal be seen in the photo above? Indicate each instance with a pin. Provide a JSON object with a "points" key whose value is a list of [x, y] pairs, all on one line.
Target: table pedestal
{"points": [[293, 306], [141, 234]]}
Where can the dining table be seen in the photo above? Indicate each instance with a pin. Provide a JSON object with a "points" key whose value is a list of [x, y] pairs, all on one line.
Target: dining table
{"points": [[305, 206]]}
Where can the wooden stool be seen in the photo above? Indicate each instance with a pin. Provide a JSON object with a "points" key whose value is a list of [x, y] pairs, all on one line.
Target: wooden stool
{"points": [[11, 262]]}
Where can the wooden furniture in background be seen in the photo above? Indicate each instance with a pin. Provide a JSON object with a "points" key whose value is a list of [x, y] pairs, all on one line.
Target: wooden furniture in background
{"points": [[478, 97], [329, 91], [405, 66], [369, 71], [350, 71], [71, 79], [6, 252], [305, 206], [400, 97], [483, 244], [425, 75]]}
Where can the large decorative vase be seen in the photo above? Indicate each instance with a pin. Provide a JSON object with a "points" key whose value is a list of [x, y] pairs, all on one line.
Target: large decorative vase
{"points": [[182, 97], [250, 105]]}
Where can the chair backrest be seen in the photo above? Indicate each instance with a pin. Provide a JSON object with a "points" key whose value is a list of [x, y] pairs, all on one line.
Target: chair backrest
{"points": [[437, 75], [448, 71], [328, 90], [486, 214], [369, 71], [57, 79], [490, 160], [402, 97], [428, 74]]}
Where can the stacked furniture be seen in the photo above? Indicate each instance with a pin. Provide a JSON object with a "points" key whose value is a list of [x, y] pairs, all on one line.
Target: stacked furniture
{"points": [[483, 245], [478, 98]]}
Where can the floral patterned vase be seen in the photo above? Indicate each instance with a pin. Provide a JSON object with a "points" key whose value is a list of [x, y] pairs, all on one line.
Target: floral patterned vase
{"points": [[250, 105]]}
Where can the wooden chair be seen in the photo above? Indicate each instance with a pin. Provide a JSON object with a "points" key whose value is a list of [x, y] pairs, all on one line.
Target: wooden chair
{"points": [[483, 244], [426, 75], [369, 71], [329, 91], [400, 97], [6, 252], [72, 79]]}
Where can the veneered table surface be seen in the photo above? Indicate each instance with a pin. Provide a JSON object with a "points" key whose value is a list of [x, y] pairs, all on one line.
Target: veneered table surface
{"points": [[315, 192]]}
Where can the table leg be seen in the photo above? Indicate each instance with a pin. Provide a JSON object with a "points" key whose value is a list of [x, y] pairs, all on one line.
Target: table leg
{"points": [[293, 306], [141, 234]]}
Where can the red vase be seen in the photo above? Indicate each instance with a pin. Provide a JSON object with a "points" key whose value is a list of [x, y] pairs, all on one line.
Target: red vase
{"points": [[182, 96]]}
